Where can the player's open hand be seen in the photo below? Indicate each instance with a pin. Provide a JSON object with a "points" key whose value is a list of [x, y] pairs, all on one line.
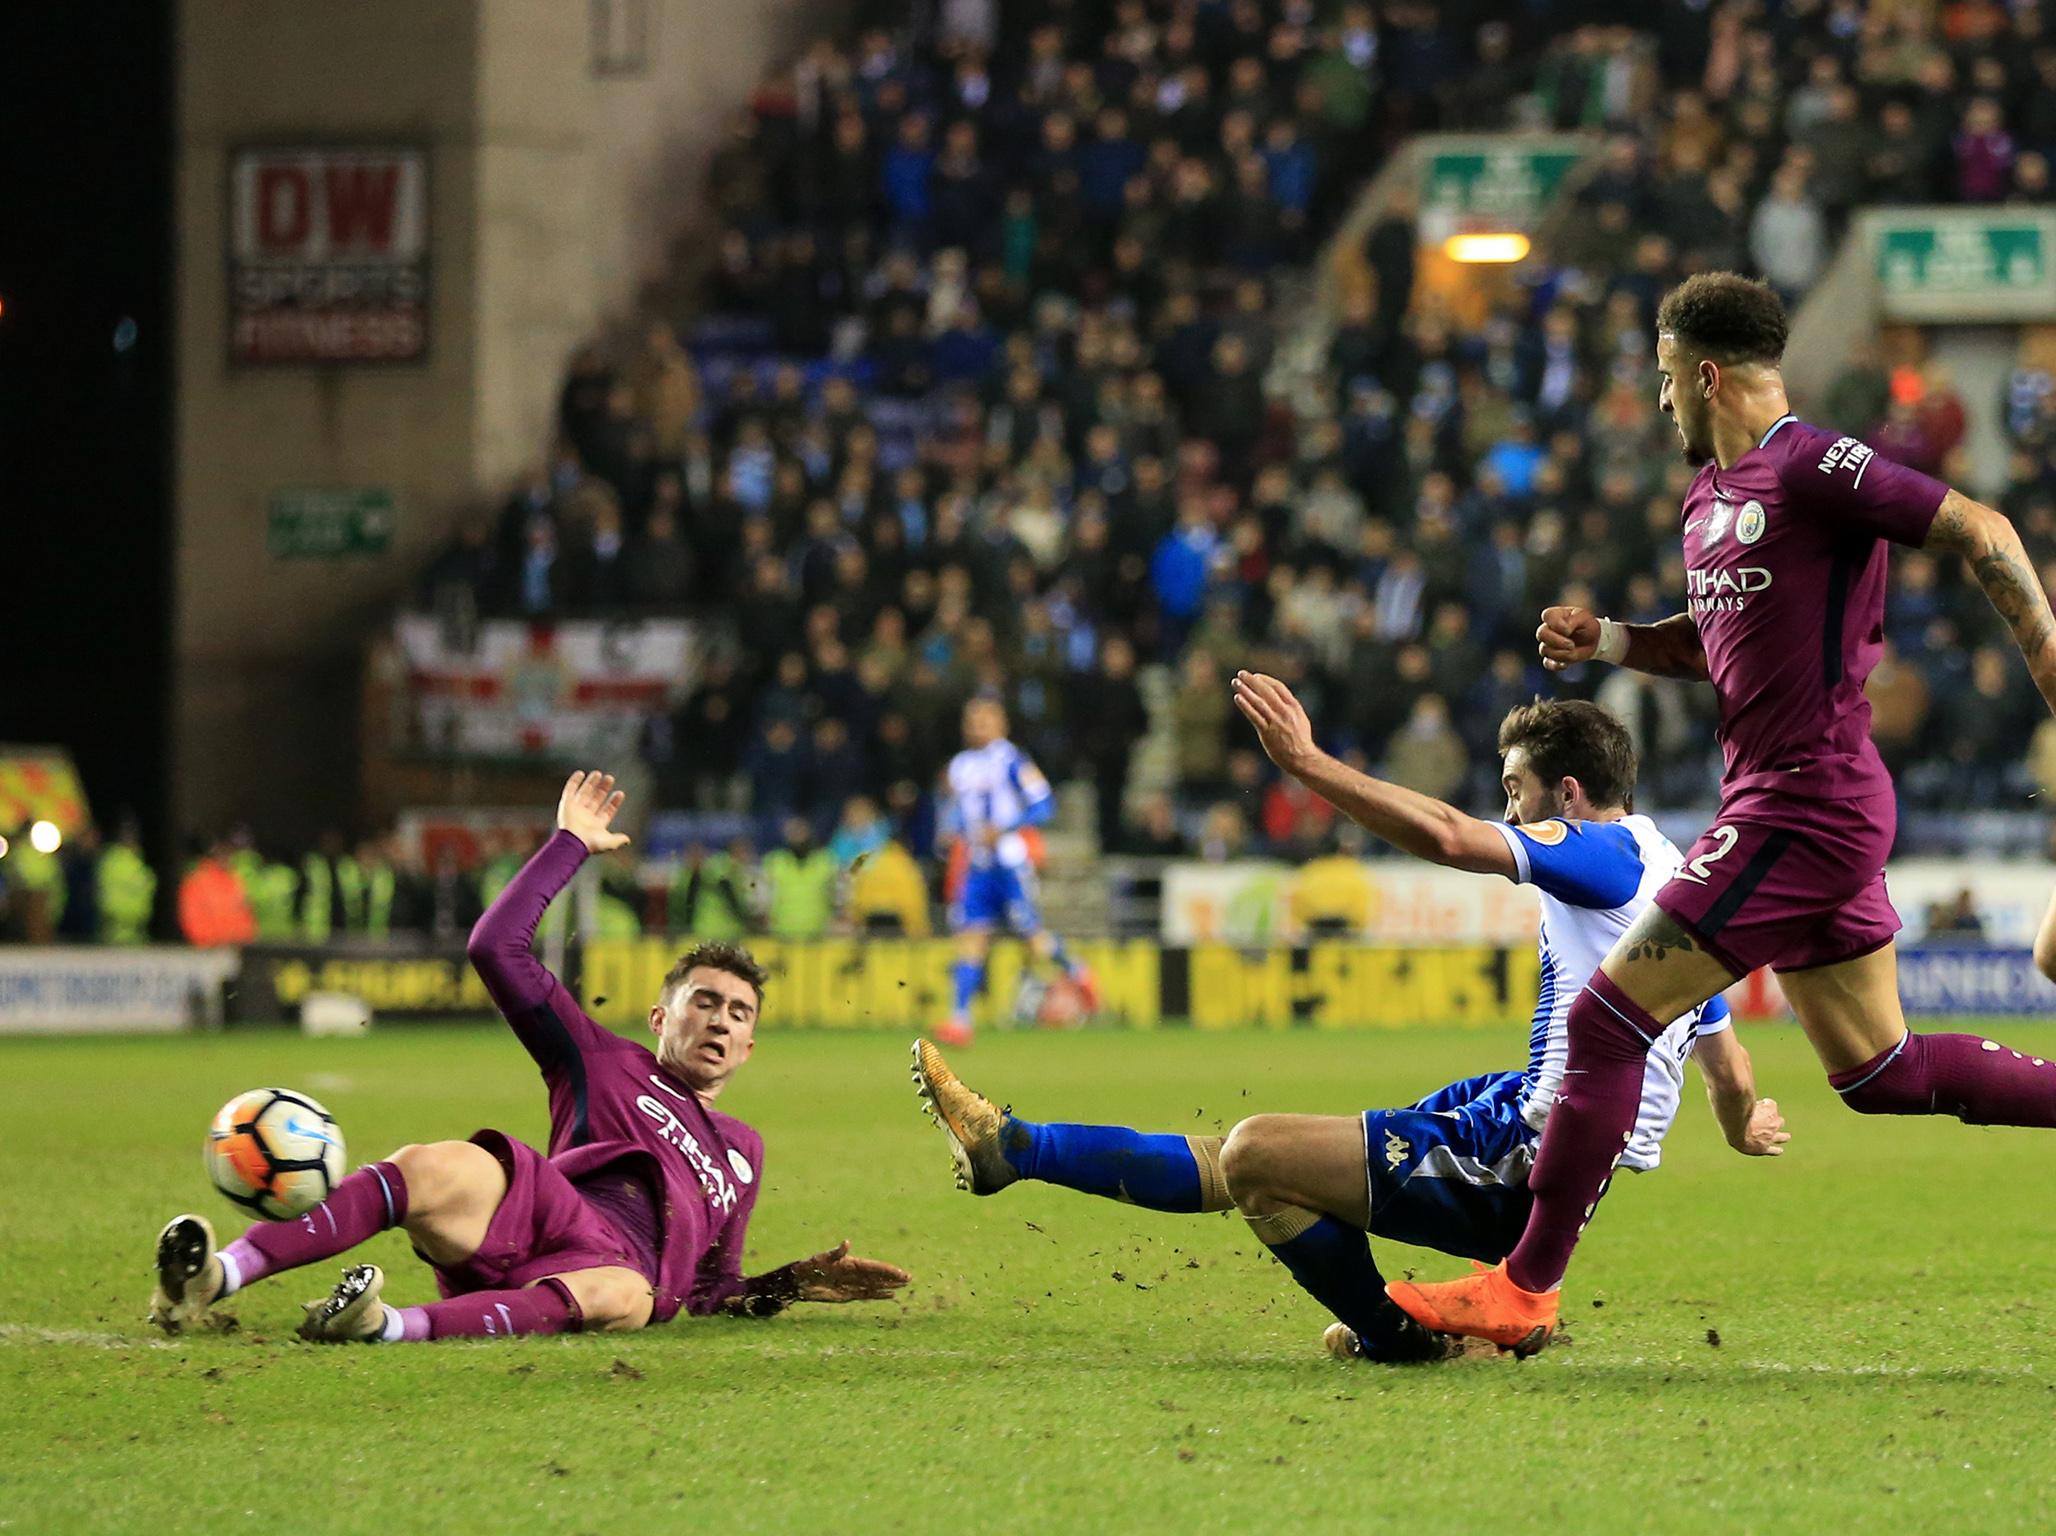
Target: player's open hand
{"points": [[836, 1276], [1765, 1135], [1567, 636], [1280, 719], [587, 808]]}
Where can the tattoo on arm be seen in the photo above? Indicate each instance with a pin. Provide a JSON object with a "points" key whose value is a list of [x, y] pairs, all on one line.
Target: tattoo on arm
{"points": [[1951, 525], [2017, 595], [1655, 936], [1669, 649], [1999, 563]]}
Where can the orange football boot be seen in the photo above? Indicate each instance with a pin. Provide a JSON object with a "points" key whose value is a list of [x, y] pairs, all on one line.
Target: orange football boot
{"points": [[954, 1033], [1486, 1305], [974, 1124]]}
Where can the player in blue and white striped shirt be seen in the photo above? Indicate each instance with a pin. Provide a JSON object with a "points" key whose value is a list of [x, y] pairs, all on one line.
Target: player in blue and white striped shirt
{"points": [[1449, 1171], [995, 793]]}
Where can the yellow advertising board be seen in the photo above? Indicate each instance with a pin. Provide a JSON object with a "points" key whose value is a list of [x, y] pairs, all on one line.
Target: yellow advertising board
{"points": [[856, 983]]}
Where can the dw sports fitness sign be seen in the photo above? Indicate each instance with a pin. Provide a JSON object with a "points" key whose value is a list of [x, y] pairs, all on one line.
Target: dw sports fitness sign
{"points": [[328, 255]]}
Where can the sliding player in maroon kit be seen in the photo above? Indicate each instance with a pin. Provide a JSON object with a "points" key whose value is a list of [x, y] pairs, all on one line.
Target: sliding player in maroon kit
{"points": [[1784, 532], [638, 1211]]}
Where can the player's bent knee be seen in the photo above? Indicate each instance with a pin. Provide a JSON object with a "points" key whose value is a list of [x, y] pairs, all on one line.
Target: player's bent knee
{"points": [[608, 1300], [1250, 1157], [442, 1175]]}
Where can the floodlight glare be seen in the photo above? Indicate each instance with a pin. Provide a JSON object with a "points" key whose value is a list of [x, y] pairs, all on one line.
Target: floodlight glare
{"points": [[1482, 249]]}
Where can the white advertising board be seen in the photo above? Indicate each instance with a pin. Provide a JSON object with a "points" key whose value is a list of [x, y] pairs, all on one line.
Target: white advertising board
{"points": [[67, 991]]}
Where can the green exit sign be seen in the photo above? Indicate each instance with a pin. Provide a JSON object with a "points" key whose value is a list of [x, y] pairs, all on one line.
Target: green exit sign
{"points": [[1505, 186], [1965, 264], [330, 522]]}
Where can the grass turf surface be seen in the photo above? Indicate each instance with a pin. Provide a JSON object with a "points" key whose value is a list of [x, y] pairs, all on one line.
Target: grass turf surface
{"points": [[1852, 1335]]}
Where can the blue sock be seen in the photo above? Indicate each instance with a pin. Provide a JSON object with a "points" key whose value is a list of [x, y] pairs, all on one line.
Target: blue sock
{"points": [[1331, 1260], [1159, 1173], [968, 978]]}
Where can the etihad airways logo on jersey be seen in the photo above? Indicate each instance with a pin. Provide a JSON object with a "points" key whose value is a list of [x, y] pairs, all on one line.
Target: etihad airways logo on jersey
{"points": [[1725, 591], [720, 1193]]}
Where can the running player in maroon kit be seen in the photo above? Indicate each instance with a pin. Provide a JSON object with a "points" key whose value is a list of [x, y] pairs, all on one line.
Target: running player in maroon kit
{"points": [[1785, 531], [637, 1213]]}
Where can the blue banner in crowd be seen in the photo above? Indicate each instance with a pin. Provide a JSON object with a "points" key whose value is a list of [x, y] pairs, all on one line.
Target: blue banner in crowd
{"points": [[1936, 979]]}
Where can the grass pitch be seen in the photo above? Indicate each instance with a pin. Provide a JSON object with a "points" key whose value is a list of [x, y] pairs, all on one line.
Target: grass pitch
{"points": [[1853, 1336]]}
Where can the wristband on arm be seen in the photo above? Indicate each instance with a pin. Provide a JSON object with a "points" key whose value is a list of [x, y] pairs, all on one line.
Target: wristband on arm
{"points": [[1613, 643]]}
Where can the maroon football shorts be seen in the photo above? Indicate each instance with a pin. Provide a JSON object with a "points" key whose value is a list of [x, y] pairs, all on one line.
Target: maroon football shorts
{"points": [[1788, 882], [542, 1227]]}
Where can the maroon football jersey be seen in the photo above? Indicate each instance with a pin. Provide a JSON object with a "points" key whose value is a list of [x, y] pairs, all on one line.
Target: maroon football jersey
{"points": [[616, 1111], [1785, 577]]}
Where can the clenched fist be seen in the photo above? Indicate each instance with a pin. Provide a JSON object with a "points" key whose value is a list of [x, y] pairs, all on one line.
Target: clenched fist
{"points": [[1567, 636]]}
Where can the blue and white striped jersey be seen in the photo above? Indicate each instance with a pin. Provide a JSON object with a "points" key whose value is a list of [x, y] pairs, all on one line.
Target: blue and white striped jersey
{"points": [[1595, 878], [996, 786]]}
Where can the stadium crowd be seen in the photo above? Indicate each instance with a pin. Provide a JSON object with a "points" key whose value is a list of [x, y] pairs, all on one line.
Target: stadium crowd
{"points": [[977, 399]]}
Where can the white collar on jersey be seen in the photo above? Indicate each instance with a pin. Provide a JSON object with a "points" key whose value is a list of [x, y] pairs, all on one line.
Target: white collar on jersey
{"points": [[1775, 427]]}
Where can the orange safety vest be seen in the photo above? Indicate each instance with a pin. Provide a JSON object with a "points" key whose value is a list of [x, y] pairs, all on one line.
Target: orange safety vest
{"points": [[212, 908]]}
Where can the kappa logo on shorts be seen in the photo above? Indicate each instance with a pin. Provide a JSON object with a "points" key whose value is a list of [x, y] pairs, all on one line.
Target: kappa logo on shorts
{"points": [[1547, 833], [1396, 1151], [1750, 523]]}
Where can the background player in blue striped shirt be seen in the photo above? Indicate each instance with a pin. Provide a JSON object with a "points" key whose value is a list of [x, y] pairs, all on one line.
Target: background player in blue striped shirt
{"points": [[1451, 1170], [995, 794]]}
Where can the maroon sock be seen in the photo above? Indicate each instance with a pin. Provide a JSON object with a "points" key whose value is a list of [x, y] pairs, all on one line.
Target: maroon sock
{"points": [[1979, 1081], [363, 1205], [1589, 1124], [545, 1307]]}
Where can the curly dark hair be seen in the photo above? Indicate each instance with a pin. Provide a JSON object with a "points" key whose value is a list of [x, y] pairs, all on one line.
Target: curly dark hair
{"points": [[1574, 738], [1726, 317], [732, 958]]}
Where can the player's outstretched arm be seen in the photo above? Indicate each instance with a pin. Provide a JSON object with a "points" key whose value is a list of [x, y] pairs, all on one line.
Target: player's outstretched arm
{"points": [[1411, 822], [1752, 1126], [1669, 648], [1998, 560], [502, 945]]}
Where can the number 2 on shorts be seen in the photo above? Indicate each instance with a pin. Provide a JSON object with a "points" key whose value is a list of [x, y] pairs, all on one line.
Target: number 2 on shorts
{"points": [[1696, 869]]}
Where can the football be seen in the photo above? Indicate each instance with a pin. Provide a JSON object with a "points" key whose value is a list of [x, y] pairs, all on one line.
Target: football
{"points": [[1061, 1005], [274, 1152]]}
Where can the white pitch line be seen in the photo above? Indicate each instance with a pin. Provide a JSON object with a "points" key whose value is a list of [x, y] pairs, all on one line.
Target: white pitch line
{"points": [[1931, 1372], [23, 1333]]}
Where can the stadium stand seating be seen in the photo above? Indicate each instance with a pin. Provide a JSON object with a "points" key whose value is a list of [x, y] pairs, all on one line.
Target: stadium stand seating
{"points": [[976, 397]]}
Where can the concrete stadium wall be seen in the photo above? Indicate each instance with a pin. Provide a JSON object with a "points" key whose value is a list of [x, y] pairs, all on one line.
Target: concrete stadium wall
{"points": [[586, 181], [555, 192]]}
